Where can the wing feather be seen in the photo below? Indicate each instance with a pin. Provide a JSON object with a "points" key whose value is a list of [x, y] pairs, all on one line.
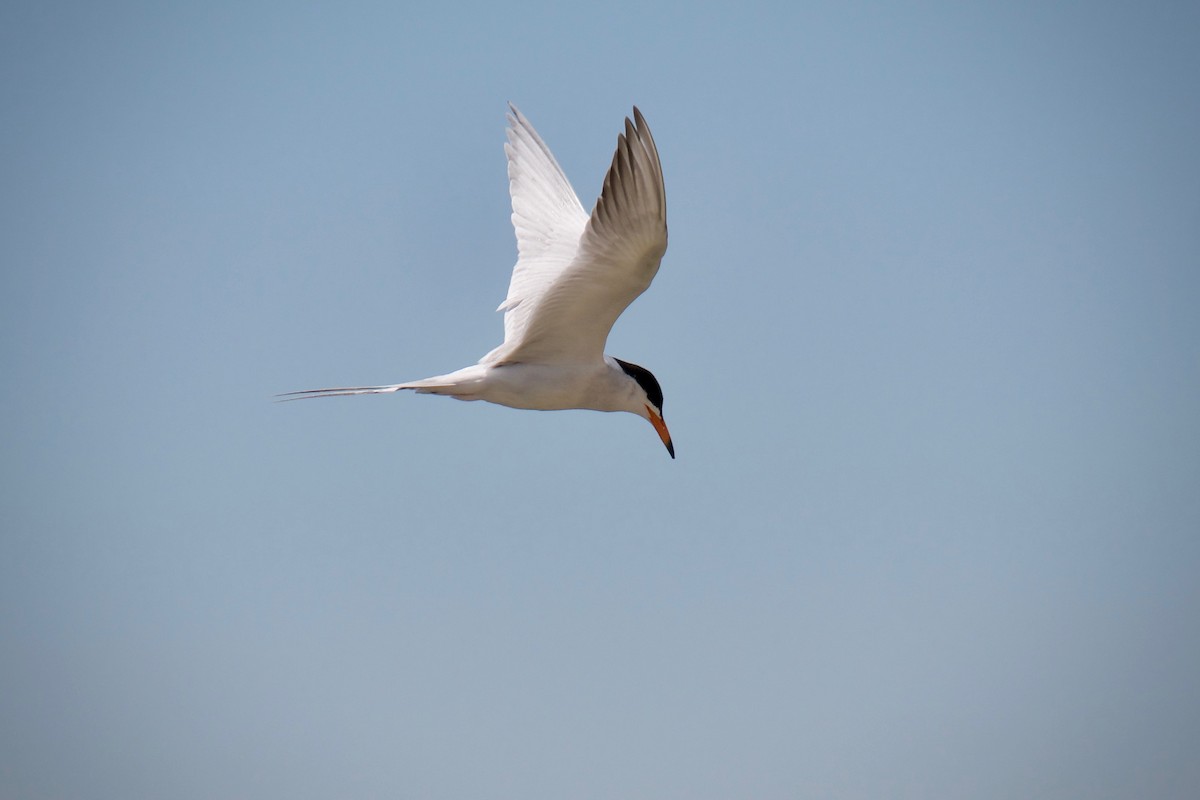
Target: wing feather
{"points": [[547, 217], [575, 275]]}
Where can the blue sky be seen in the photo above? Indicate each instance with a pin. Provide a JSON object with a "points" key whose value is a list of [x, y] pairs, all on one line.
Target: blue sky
{"points": [[927, 331]]}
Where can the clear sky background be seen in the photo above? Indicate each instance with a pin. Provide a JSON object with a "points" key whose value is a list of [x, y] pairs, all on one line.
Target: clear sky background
{"points": [[928, 330]]}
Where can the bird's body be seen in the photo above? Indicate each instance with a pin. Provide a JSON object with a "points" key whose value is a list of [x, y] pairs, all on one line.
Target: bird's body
{"points": [[574, 276]]}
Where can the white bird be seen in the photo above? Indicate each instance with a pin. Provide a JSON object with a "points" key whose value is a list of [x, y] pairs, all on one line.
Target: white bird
{"points": [[574, 276]]}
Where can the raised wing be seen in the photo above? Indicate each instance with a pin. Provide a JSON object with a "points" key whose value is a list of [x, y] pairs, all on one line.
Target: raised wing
{"points": [[547, 218], [575, 275]]}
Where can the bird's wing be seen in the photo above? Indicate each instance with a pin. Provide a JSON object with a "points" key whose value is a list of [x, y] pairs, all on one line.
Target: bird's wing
{"points": [[548, 219], [575, 275]]}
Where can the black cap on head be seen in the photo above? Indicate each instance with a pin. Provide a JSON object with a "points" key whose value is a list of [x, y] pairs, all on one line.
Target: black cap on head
{"points": [[646, 380]]}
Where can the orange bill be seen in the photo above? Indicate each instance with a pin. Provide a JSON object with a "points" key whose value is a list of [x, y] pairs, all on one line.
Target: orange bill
{"points": [[661, 427]]}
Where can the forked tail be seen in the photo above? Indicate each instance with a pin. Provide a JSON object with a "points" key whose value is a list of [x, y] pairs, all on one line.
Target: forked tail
{"points": [[461, 384], [343, 391]]}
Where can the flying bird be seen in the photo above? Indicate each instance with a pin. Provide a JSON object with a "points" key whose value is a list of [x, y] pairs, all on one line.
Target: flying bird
{"points": [[575, 274]]}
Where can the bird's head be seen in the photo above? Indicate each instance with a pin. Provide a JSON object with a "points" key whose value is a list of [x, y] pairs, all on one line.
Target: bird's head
{"points": [[648, 400]]}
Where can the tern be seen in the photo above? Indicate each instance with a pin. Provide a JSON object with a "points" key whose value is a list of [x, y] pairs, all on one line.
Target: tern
{"points": [[575, 274]]}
